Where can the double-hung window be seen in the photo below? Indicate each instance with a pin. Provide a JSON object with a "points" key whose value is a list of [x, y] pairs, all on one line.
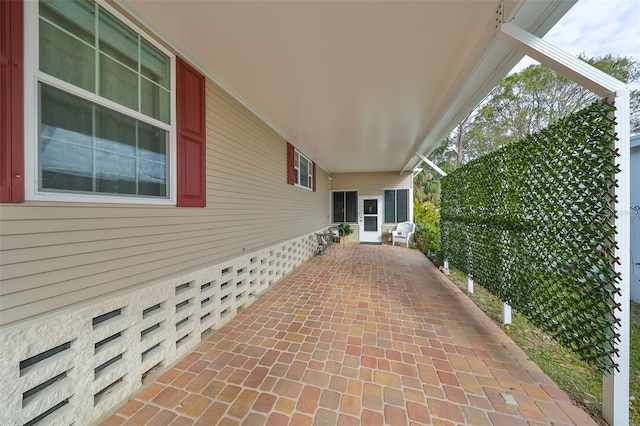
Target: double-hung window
{"points": [[104, 116], [396, 205], [344, 205], [303, 170]]}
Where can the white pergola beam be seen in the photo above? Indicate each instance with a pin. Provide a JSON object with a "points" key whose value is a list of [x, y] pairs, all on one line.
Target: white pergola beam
{"points": [[616, 384], [588, 76], [431, 164]]}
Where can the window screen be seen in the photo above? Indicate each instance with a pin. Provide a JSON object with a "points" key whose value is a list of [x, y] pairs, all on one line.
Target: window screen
{"points": [[396, 205], [344, 206]]}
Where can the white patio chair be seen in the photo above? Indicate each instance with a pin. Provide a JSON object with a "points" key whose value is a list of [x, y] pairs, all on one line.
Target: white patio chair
{"points": [[403, 233]]}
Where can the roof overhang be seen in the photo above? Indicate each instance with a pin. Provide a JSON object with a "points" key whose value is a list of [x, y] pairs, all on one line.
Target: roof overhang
{"points": [[358, 86]]}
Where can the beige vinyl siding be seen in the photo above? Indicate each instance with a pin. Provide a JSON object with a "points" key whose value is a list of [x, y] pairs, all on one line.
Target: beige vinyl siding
{"points": [[53, 255], [370, 183]]}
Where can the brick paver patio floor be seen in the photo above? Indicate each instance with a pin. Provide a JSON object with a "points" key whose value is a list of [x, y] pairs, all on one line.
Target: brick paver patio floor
{"points": [[370, 335]]}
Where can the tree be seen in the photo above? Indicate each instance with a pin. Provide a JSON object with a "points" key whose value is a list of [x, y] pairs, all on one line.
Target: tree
{"points": [[427, 217], [460, 134], [426, 188], [523, 103], [530, 100], [445, 155]]}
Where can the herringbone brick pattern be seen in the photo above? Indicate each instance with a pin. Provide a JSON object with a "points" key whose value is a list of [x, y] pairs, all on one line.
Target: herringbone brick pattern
{"points": [[372, 335]]}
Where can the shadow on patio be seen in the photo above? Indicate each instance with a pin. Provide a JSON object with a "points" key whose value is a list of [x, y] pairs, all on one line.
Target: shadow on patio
{"points": [[363, 335]]}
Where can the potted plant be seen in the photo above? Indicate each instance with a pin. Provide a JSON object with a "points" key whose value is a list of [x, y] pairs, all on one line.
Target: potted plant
{"points": [[428, 228]]}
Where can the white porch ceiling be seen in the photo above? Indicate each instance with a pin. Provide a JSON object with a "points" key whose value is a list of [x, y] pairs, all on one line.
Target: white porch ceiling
{"points": [[358, 86]]}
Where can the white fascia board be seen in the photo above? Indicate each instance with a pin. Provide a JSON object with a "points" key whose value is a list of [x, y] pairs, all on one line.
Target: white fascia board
{"points": [[600, 83], [487, 73], [499, 59]]}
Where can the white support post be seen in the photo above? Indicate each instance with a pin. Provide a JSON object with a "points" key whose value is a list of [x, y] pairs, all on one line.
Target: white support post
{"points": [[506, 313], [615, 385], [470, 284], [615, 401]]}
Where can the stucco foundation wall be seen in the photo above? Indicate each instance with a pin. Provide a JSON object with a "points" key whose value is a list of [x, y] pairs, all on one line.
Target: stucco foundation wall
{"points": [[55, 255], [74, 366]]}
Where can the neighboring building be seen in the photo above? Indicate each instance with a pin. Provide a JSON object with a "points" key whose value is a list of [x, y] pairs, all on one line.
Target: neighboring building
{"points": [[635, 217], [164, 163]]}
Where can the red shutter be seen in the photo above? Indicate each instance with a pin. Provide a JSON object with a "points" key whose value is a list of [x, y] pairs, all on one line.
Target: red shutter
{"points": [[313, 177], [191, 141], [290, 165], [11, 103]]}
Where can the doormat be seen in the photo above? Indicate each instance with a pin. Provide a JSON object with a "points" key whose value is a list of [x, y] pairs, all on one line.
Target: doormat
{"points": [[371, 244]]}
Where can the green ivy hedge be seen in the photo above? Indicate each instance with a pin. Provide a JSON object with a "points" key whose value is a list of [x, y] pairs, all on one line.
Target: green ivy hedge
{"points": [[532, 222]]}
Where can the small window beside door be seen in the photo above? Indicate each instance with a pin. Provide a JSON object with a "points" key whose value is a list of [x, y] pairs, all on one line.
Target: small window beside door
{"points": [[344, 206], [396, 205]]}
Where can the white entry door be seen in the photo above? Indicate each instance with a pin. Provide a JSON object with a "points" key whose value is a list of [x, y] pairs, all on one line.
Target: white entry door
{"points": [[370, 219]]}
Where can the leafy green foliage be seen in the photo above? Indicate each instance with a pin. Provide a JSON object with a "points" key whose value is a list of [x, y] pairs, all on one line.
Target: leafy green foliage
{"points": [[527, 102], [536, 97], [426, 217], [531, 222], [580, 380], [634, 365], [348, 230], [426, 188]]}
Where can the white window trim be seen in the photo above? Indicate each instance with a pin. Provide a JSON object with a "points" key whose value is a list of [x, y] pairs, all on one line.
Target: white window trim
{"points": [[331, 204], [298, 155], [33, 76], [296, 167], [409, 204]]}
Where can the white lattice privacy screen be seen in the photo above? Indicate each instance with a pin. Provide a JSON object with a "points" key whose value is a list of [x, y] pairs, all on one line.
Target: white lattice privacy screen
{"points": [[76, 365]]}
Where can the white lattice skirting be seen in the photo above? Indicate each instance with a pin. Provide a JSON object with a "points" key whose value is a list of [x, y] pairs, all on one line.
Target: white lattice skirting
{"points": [[74, 366]]}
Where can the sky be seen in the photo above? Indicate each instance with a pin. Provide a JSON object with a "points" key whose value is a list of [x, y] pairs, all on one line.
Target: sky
{"points": [[596, 28]]}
